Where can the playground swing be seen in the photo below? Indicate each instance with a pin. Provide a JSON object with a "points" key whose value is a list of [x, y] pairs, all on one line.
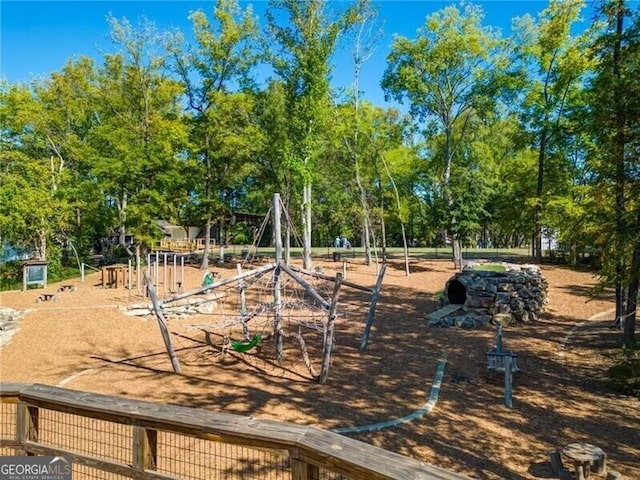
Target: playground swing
{"points": [[242, 347]]}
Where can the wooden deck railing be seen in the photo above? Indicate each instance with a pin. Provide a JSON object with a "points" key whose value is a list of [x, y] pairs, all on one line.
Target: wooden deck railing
{"points": [[181, 246], [135, 439]]}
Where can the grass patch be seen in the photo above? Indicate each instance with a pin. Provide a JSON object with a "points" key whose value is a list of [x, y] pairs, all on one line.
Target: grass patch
{"points": [[491, 267]]}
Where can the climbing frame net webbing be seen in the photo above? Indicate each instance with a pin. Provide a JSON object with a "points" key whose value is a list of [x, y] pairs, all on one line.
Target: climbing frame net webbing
{"points": [[270, 301]]}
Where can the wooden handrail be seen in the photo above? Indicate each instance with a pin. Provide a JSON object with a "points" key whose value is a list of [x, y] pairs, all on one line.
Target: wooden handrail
{"points": [[309, 448]]}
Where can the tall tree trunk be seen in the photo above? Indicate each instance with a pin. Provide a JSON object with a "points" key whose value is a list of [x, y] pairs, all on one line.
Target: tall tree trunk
{"points": [[122, 221], [42, 244], [287, 242], [287, 228], [456, 244], [398, 206], [537, 209], [366, 223], [406, 250], [358, 59], [620, 174], [629, 336], [207, 234], [221, 239], [207, 240]]}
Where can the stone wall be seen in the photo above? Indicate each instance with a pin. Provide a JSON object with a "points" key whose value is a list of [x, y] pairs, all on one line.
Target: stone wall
{"points": [[516, 295]]}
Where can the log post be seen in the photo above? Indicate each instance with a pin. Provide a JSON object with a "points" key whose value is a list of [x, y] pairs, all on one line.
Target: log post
{"points": [[243, 305], [162, 324], [305, 356], [372, 308], [277, 286], [329, 331]]}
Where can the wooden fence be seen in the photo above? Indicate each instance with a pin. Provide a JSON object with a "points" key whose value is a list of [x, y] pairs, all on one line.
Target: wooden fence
{"points": [[181, 246], [110, 437]]}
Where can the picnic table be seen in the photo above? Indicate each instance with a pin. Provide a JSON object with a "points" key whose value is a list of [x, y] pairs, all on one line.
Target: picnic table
{"points": [[45, 297]]}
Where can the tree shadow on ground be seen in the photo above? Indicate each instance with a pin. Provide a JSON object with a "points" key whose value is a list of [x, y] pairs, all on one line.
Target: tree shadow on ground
{"points": [[559, 396]]}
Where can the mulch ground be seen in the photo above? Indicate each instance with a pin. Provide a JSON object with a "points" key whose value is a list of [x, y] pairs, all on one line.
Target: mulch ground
{"points": [[85, 341]]}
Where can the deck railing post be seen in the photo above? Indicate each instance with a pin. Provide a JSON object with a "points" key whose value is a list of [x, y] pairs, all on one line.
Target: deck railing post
{"points": [[145, 448], [27, 424], [301, 470]]}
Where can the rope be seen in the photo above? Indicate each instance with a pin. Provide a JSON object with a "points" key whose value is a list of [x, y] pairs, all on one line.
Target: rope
{"points": [[296, 306], [91, 267], [296, 236]]}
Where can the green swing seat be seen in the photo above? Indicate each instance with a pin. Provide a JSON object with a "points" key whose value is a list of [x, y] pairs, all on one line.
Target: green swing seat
{"points": [[239, 346]]}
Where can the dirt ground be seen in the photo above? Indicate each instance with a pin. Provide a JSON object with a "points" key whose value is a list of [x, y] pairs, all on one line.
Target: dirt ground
{"points": [[85, 341]]}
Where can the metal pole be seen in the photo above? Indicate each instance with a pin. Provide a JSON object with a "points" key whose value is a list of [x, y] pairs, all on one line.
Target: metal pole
{"points": [[508, 376]]}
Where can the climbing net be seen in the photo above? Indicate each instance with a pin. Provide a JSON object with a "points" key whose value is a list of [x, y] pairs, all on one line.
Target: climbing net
{"points": [[258, 306]]}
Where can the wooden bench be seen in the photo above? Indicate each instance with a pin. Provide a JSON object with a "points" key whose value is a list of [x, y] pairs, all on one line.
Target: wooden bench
{"points": [[495, 361], [67, 288], [45, 297]]}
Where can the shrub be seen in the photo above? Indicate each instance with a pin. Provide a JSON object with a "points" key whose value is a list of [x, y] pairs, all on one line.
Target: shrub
{"points": [[625, 374]]}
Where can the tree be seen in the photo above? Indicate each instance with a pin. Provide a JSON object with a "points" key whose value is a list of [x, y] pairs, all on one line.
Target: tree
{"points": [[553, 65], [63, 128], [305, 43], [447, 75], [33, 209], [138, 131], [222, 59], [616, 129], [366, 35]]}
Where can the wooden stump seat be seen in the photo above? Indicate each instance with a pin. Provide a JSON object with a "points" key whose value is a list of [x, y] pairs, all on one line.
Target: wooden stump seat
{"points": [[586, 459]]}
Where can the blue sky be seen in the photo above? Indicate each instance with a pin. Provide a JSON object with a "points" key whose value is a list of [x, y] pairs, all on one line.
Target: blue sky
{"points": [[38, 37]]}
